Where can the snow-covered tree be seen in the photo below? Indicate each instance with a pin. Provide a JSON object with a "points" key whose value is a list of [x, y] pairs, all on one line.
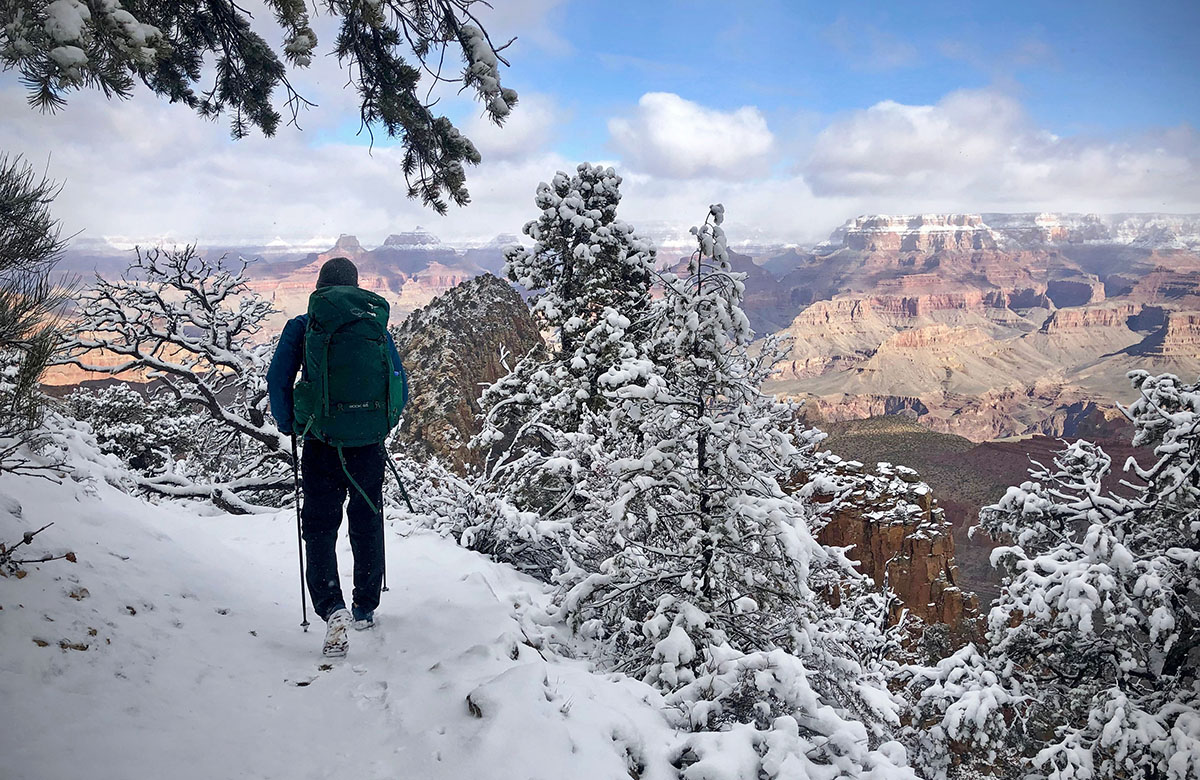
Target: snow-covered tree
{"points": [[30, 247], [172, 46], [709, 581], [1092, 668], [191, 323], [148, 433], [548, 417]]}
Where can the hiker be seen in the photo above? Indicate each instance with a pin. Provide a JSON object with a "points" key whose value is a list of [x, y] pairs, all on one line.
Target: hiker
{"points": [[351, 391]]}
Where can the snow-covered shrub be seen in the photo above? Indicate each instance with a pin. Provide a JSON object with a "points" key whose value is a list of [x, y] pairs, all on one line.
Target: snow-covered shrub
{"points": [[1093, 663], [145, 432], [191, 323]]}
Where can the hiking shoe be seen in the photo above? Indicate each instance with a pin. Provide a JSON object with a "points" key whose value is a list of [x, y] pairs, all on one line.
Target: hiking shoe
{"points": [[336, 635], [363, 619]]}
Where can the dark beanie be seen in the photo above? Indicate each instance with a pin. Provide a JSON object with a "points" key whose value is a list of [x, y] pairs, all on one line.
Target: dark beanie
{"points": [[337, 271]]}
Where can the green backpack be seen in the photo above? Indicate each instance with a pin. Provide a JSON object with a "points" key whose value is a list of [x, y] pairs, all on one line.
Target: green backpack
{"points": [[352, 397]]}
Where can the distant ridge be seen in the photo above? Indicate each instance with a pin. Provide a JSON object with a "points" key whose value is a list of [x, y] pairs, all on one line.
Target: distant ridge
{"points": [[933, 232]]}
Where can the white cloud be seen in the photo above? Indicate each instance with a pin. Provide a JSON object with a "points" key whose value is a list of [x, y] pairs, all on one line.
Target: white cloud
{"points": [[778, 209], [146, 170], [676, 138], [979, 150], [527, 132]]}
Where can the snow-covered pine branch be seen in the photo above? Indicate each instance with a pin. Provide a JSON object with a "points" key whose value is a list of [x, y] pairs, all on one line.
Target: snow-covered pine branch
{"points": [[391, 49], [190, 324], [30, 247]]}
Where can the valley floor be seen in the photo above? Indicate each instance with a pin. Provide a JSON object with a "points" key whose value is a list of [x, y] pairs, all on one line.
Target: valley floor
{"points": [[172, 648]]}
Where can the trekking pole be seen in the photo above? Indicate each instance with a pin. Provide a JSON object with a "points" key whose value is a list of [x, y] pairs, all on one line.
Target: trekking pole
{"points": [[404, 493], [399, 483], [388, 458], [299, 533]]}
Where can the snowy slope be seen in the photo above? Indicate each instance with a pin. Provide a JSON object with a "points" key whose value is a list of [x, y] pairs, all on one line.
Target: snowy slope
{"points": [[193, 655]]}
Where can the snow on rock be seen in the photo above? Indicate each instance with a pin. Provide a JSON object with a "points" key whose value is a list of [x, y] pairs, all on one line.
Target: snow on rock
{"points": [[416, 239]]}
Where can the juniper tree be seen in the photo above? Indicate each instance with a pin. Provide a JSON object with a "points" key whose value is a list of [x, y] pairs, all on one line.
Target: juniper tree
{"points": [[149, 433], [174, 46], [1091, 666], [191, 323], [30, 246]]}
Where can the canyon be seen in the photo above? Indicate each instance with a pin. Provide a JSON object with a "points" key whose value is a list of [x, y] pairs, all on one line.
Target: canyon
{"points": [[988, 326], [983, 325]]}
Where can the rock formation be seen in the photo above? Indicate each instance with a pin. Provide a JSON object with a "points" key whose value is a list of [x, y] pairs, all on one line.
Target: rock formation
{"points": [[923, 233], [450, 348], [899, 537]]}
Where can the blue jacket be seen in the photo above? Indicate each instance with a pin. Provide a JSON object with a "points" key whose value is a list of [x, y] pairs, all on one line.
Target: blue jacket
{"points": [[289, 359]]}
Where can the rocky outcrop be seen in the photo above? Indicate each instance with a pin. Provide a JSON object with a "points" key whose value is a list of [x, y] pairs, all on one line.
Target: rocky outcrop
{"points": [[1152, 231], [934, 337], [346, 246], [900, 538], [1032, 332], [1176, 286], [921, 233], [1045, 408], [1178, 337], [450, 348], [408, 270], [1029, 230], [1083, 319]]}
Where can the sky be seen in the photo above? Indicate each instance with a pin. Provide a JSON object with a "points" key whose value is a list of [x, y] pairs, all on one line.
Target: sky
{"points": [[795, 115]]}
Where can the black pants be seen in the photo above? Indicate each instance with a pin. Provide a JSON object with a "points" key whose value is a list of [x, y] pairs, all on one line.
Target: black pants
{"points": [[325, 490]]}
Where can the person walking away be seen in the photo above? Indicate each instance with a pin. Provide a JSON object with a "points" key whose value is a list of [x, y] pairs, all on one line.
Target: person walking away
{"points": [[351, 391]]}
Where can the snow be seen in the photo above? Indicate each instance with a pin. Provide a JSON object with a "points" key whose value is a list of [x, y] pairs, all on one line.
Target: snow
{"points": [[68, 57], [66, 20], [196, 638]]}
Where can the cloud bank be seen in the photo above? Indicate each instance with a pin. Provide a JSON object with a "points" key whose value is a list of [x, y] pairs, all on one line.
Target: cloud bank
{"points": [[146, 171], [980, 149], [676, 138]]}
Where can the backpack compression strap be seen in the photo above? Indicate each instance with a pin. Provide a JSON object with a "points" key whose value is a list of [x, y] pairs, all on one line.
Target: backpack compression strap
{"points": [[363, 493], [358, 487]]}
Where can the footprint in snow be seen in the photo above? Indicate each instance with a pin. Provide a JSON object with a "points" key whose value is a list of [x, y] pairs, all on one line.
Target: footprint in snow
{"points": [[372, 694]]}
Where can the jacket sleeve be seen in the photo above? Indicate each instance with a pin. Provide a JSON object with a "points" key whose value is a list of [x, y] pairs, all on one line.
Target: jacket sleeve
{"points": [[281, 376], [398, 367]]}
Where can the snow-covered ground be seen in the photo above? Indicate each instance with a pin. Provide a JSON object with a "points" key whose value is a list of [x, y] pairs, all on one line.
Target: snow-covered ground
{"points": [[173, 649]]}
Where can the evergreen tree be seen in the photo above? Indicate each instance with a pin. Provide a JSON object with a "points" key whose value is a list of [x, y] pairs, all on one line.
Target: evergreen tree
{"points": [[62, 45], [547, 419], [30, 247], [1093, 661], [714, 587]]}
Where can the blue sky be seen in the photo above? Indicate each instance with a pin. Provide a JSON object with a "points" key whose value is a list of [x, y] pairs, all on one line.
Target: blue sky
{"points": [[1105, 68], [1104, 65], [796, 115]]}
